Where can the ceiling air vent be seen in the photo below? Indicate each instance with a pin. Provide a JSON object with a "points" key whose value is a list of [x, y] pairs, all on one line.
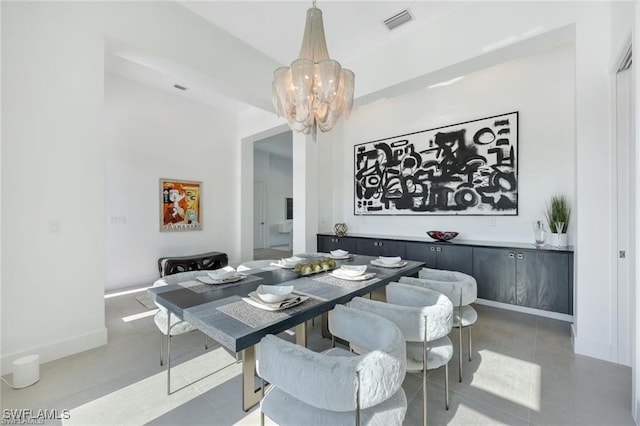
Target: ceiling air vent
{"points": [[398, 19]]}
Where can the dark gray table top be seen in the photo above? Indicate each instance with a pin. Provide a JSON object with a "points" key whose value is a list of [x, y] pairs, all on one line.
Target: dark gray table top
{"points": [[200, 309]]}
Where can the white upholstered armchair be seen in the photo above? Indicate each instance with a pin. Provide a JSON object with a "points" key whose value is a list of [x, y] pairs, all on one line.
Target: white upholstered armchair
{"points": [[337, 387], [425, 318], [462, 290]]}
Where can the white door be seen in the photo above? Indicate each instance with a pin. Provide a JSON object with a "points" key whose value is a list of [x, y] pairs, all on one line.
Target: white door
{"points": [[258, 215], [625, 211]]}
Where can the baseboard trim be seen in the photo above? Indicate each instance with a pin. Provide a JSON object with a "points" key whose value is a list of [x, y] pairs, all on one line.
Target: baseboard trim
{"points": [[591, 348], [58, 349], [525, 310]]}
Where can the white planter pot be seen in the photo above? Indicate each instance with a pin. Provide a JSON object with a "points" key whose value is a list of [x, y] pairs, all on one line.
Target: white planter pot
{"points": [[559, 240]]}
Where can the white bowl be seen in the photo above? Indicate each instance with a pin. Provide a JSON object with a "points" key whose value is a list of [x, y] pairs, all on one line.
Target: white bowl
{"points": [[352, 270], [339, 253], [222, 273], [389, 260], [291, 261], [274, 293]]}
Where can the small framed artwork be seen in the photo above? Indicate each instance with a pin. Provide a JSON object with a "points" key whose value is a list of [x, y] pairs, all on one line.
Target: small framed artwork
{"points": [[289, 207], [180, 205]]}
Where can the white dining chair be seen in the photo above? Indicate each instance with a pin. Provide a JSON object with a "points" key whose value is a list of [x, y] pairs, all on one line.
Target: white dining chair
{"points": [[170, 325], [462, 290], [337, 387], [425, 318]]}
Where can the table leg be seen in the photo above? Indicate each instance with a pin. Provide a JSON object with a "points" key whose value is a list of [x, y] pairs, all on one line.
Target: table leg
{"points": [[301, 334], [325, 326], [250, 396]]}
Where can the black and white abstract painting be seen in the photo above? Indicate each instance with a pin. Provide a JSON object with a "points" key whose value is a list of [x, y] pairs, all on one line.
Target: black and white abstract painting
{"points": [[468, 168]]}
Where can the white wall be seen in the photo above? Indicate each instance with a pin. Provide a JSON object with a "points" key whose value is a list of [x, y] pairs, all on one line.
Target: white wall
{"points": [[151, 134], [546, 146], [53, 234], [53, 162], [279, 187]]}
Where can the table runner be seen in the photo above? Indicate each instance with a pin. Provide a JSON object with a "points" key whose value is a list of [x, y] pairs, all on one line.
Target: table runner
{"points": [[200, 287], [256, 317]]}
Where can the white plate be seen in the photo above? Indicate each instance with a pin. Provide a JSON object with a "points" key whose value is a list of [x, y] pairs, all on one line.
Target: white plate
{"points": [[347, 256], [362, 277], [352, 270], [254, 300], [232, 279], [386, 265], [274, 293], [222, 273]]}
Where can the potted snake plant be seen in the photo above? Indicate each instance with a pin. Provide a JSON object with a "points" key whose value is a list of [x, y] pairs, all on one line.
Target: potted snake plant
{"points": [[558, 214]]}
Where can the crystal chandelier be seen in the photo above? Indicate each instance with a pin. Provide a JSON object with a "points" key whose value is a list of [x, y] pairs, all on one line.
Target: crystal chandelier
{"points": [[314, 91]]}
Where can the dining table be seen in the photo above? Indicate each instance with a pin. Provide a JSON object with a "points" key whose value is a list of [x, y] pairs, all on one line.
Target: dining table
{"points": [[224, 312]]}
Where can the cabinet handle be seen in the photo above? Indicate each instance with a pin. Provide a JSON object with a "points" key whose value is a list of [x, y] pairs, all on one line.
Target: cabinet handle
{"points": [[511, 255], [439, 249], [520, 256], [380, 244], [433, 249]]}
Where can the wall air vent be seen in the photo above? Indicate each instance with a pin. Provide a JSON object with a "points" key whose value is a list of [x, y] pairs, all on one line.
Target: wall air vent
{"points": [[398, 19], [177, 86]]}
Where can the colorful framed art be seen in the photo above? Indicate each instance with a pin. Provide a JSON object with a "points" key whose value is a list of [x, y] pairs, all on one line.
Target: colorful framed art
{"points": [[180, 205]]}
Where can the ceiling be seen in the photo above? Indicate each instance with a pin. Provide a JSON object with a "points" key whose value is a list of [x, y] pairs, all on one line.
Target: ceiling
{"points": [[352, 28]]}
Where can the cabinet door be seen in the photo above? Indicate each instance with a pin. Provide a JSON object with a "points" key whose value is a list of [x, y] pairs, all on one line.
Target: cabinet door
{"points": [[528, 268], [422, 252], [325, 244], [344, 243], [391, 248], [367, 246], [455, 258], [328, 243], [543, 281], [495, 273]]}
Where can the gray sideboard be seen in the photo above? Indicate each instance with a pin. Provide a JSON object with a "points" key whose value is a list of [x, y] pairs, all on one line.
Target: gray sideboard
{"points": [[513, 273]]}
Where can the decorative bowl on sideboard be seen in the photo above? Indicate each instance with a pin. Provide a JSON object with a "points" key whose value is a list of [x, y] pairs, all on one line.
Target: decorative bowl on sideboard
{"points": [[442, 235]]}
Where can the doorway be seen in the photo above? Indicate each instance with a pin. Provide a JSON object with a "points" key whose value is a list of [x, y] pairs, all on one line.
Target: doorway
{"points": [[258, 215], [625, 200]]}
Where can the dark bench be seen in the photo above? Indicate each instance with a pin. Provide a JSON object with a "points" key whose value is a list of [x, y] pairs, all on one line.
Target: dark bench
{"points": [[173, 264]]}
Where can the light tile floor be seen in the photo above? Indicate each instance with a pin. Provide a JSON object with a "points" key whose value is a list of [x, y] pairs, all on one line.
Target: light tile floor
{"points": [[523, 372]]}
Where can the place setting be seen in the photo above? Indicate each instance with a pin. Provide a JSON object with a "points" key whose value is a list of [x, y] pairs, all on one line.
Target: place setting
{"points": [[389, 262], [340, 254], [274, 297], [288, 262], [218, 279]]}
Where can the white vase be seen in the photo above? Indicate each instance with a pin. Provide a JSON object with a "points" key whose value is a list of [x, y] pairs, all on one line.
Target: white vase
{"points": [[559, 240]]}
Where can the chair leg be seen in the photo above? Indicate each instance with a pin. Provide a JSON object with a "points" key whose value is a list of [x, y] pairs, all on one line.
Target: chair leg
{"points": [[470, 350], [446, 385], [460, 339], [358, 399], [261, 398], [169, 365], [460, 355], [161, 349], [424, 374], [206, 342], [169, 353]]}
